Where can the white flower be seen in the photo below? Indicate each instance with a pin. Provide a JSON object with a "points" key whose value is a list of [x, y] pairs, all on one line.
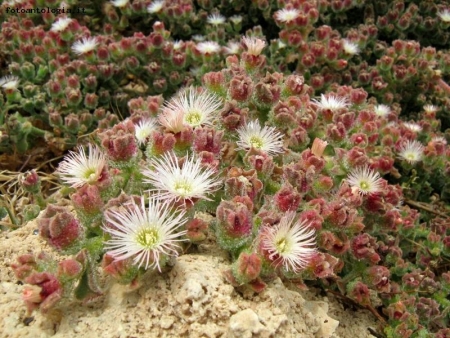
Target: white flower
{"points": [[155, 7], [287, 15], [289, 245], [429, 108], [177, 184], [266, 139], [365, 180], [191, 108], [235, 19], [215, 19], [412, 151], [144, 129], [382, 110], [331, 102], [78, 169], [412, 126], [178, 44], [85, 45], [232, 47], [350, 48], [198, 37], [61, 24], [9, 82], [148, 235], [208, 47], [280, 44], [254, 45], [119, 3], [444, 15]]}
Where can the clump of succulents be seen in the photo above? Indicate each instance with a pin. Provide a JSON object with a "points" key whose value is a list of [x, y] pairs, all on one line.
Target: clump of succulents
{"points": [[299, 187], [308, 140]]}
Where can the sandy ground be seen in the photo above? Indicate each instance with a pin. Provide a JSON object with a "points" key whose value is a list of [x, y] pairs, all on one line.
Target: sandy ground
{"points": [[190, 300]]}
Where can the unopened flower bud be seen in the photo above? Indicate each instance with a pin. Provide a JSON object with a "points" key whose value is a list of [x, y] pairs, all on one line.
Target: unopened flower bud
{"points": [[234, 223], [247, 267], [196, 230], [287, 198], [72, 123], [69, 268], [48, 289], [87, 199], [91, 100], [59, 227], [120, 141], [359, 292], [241, 88], [73, 96], [31, 182]]}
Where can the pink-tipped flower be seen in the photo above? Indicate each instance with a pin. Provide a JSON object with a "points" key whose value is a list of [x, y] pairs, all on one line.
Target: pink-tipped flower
{"points": [[288, 244], [85, 45], [318, 147], [266, 139], [254, 45], [190, 107], [175, 183], [147, 235], [331, 102], [412, 151], [364, 180], [79, 169]]}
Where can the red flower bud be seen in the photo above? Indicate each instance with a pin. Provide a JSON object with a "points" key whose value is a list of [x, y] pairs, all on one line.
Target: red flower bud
{"points": [[196, 229], [364, 247], [241, 88], [87, 199], [359, 292], [120, 141], [59, 227], [48, 293], [69, 268], [287, 198], [247, 267]]}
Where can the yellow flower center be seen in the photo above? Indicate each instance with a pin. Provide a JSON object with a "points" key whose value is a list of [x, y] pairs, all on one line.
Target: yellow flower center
{"points": [[364, 185], [90, 175], [256, 142], [193, 118], [148, 237], [411, 157], [281, 245], [183, 188]]}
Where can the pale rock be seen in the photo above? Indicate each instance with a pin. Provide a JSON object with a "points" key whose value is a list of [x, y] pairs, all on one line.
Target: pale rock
{"points": [[327, 324], [244, 324]]}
